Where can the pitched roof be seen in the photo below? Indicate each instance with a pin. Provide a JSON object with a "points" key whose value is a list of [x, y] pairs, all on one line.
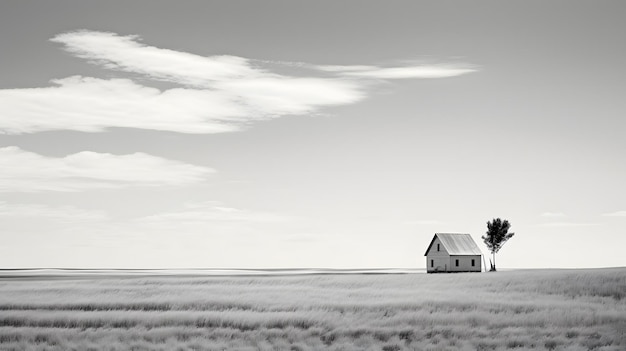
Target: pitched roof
{"points": [[456, 244]]}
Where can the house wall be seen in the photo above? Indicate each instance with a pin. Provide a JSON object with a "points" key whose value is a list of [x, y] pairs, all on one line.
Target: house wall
{"points": [[441, 258], [439, 263], [465, 264]]}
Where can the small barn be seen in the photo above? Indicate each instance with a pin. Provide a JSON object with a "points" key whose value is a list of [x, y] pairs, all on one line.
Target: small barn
{"points": [[449, 252]]}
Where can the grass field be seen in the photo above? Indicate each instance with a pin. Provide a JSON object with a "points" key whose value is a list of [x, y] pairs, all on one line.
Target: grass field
{"points": [[516, 310]]}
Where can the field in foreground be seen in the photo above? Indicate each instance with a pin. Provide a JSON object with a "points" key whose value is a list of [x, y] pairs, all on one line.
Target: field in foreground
{"points": [[517, 310]]}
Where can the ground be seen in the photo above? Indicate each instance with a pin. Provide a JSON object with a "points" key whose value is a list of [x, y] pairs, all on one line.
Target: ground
{"points": [[512, 310]]}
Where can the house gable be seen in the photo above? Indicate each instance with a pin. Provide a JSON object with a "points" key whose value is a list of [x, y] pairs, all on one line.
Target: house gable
{"points": [[436, 248]]}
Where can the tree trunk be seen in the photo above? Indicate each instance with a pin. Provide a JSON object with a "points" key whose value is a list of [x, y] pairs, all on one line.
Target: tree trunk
{"points": [[494, 262]]}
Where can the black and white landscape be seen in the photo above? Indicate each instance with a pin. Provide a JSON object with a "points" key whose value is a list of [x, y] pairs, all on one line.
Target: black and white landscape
{"points": [[268, 175]]}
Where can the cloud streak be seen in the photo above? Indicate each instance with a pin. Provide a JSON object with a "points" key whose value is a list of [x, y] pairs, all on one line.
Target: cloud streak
{"points": [[424, 222], [568, 224], [407, 72], [615, 214], [217, 94], [212, 219], [211, 212], [126, 53], [92, 105], [553, 214], [65, 214], [25, 171]]}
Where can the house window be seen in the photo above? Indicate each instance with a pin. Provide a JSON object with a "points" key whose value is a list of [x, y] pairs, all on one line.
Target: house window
{"points": [[437, 247], [432, 263], [457, 263], [473, 262]]}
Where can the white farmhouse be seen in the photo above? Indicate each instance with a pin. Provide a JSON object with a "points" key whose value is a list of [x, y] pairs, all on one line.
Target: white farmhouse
{"points": [[453, 253]]}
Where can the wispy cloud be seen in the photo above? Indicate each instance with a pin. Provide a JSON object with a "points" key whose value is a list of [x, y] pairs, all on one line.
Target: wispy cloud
{"points": [[24, 171], [407, 72], [341, 69], [92, 105], [65, 214], [238, 81], [198, 218], [217, 94], [424, 222], [210, 212], [615, 214], [568, 224], [212, 219], [126, 53]]}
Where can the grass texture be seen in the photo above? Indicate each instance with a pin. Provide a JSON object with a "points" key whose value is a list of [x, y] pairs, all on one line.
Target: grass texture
{"points": [[516, 310]]}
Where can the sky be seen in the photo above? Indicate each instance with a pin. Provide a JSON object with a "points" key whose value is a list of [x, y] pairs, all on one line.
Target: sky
{"points": [[309, 134]]}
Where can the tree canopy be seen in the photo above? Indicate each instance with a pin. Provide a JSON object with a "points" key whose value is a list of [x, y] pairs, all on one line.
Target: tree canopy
{"points": [[497, 234]]}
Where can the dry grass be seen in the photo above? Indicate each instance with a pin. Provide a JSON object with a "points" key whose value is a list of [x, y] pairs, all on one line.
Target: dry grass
{"points": [[519, 310]]}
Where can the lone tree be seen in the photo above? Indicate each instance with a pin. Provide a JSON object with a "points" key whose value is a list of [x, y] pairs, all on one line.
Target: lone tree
{"points": [[497, 234]]}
